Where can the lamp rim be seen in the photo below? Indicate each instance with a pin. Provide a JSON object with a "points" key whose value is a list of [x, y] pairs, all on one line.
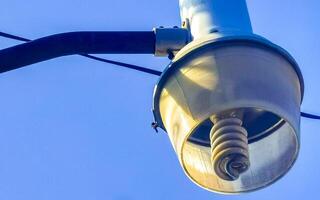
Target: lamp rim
{"points": [[293, 160], [217, 42]]}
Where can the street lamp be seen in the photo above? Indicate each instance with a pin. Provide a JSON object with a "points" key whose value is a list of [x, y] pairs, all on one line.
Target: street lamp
{"points": [[229, 100]]}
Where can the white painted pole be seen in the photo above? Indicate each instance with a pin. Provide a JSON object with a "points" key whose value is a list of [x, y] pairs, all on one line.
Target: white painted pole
{"points": [[223, 17]]}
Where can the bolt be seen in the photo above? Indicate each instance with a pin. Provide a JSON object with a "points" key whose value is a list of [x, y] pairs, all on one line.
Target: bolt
{"points": [[155, 126]]}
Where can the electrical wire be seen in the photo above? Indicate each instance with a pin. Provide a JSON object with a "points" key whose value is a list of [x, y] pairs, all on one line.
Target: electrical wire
{"points": [[130, 66], [310, 116], [14, 37]]}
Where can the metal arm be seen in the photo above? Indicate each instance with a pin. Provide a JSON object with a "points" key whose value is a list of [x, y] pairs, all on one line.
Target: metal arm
{"points": [[143, 42], [76, 43]]}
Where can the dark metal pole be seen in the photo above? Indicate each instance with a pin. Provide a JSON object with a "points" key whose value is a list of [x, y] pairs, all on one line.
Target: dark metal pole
{"points": [[130, 42]]}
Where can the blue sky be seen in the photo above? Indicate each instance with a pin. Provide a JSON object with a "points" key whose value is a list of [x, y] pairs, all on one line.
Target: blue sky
{"points": [[73, 128]]}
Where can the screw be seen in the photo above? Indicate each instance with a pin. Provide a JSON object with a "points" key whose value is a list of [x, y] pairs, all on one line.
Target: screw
{"points": [[170, 54], [155, 126]]}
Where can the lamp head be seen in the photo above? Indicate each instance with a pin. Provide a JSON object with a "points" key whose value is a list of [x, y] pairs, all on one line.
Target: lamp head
{"points": [[245, 83]]}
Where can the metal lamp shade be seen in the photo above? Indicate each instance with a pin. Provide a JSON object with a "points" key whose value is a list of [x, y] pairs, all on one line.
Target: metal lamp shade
{"points": [[210, 77]]}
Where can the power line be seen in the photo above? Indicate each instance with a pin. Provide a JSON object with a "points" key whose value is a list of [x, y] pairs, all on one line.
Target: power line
{"points": [[130, 66], [14, 37], [311, 116]]}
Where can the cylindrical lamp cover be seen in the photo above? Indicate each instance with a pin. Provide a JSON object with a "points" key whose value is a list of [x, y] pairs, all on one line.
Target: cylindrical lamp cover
{"points": [[241, 75]]}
